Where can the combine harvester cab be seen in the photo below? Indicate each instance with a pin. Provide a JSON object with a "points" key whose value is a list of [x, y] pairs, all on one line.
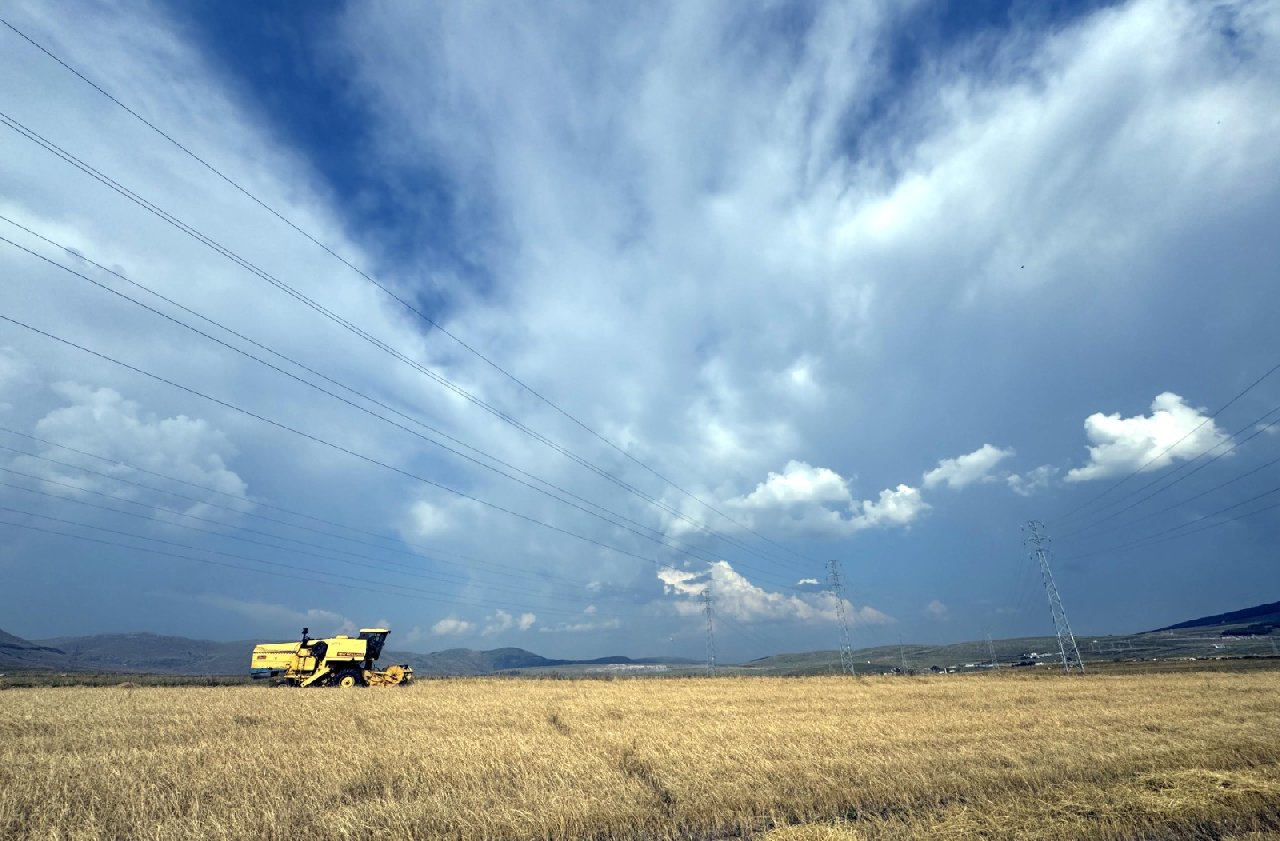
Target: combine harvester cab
{"points": [[333, 661]]}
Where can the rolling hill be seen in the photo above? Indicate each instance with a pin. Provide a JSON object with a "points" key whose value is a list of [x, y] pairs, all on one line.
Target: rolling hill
{"points": [[1259, 619]]}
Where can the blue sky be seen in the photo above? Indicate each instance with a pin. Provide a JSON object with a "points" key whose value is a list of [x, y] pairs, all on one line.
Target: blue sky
{"points": [[856, 281]]}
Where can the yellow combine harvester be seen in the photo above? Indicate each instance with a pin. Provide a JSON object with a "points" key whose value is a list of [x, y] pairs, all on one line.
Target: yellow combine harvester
{"points": [[334, 661]]}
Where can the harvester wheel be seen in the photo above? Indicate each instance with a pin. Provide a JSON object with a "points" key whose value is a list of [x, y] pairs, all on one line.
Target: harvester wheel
{"points": [[394, 675], [348, 679]]}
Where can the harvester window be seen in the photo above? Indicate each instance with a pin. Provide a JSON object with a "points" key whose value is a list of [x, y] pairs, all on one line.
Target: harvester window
{"points": [[373, 643]]}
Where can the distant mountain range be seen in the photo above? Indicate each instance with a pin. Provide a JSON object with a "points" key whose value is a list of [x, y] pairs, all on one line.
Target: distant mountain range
{"points": [[144, 653], [1262, 619]]}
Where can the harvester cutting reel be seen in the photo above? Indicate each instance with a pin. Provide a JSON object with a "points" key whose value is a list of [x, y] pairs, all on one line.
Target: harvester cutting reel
{"points": [[349, 678], [392, 676]]}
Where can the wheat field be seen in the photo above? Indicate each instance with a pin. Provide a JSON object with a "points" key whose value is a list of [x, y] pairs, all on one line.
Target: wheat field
{"points": [[993, 756]]}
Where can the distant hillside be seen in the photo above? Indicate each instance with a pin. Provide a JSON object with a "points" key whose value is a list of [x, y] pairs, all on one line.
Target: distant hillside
{"points": [[152, 654], [17, 653], [467, 661], [1261, 619]]}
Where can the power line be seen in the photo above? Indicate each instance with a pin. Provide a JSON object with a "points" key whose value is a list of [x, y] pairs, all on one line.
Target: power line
{"points": [[492, 566], [309, 574], [656, 537], [503, 569], [1227, 521], [263, 504], [1203, 493], [316, 439], [407, 570], [338, 447], [343, 386], [406, 304], [66, 156], [310, 571], [1168, 449], [1258, 429], [1167, 534]]}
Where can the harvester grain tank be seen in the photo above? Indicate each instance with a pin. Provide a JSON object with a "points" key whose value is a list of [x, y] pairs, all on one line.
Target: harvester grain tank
{"points": [[333, 661]]}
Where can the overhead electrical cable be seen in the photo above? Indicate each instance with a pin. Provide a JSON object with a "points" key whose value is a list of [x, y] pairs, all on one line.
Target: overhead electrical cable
{"points": [[310, 570], [1170, 533], [376, 342], [334, 446], [326, 443], [310, 551], [1075, 511], [404, 303], [264, 504], [653, 535], [470, 563], [312, 575], [1165, 539], [1092, 526], [1217, 487], [426, 575], [349, 389], [415, 568]]}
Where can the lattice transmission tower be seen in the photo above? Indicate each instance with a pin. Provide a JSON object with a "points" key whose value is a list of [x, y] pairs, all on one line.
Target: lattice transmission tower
{"points": [[709, 611], [1037, 542], [836, 587]]}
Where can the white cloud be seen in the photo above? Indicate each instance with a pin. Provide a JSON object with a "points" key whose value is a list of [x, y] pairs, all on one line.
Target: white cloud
{"points": [[427, 519], [452, 627], [896, 507], [810, 582], [798, 483], [964, 470], [1036, 479], [818, 500], [680, 581], [502, 621], [737, 598], [589, 610], [1173, 431], [936, 608], [103, 422]]}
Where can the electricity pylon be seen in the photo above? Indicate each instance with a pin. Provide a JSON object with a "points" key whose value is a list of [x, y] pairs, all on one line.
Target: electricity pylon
{"points": [[1036, 543], [991, 648], [837, 590], [708, 610]]}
